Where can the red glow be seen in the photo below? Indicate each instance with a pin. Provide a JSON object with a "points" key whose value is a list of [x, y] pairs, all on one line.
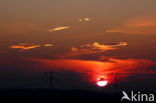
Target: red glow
{"points": [[94, 71]]}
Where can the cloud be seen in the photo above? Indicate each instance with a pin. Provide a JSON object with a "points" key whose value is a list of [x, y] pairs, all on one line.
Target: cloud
{"points": [[115, 31], [124, 67], [74, 49], [84, 20], [97, 48], [25, 46], [96, 45], [139, 25], [48, 45], [59, 28]]}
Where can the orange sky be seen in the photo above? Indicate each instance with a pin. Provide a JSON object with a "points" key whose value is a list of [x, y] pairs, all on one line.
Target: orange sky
{"points": [[85, 31]]}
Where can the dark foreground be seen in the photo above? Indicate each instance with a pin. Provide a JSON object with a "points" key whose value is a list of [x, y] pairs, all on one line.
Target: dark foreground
{"points": [[56, 96]]}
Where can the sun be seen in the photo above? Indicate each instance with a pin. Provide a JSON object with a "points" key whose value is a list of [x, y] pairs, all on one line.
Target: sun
{"points": [[102, 82]]}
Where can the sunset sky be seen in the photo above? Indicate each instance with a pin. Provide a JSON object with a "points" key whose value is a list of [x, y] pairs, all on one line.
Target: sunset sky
{"points": [[79, 40]]}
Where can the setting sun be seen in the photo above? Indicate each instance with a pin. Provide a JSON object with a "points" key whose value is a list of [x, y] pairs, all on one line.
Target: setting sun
{"points": [[102, 82]]}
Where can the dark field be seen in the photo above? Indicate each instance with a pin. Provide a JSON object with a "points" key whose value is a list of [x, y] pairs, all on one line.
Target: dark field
{"points": [[63, 96], [49, 95]]}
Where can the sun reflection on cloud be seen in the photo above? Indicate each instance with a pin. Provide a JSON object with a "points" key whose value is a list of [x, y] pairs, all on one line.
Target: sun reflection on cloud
{"points": [[84, 19], [96, 47], [48, 45], [74, 49], [59, 28], [26, 46]]}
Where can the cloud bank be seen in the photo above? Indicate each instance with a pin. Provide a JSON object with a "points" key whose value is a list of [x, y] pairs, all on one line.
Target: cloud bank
{"points": [[137, 26], [96, 47], [26, 46]]}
